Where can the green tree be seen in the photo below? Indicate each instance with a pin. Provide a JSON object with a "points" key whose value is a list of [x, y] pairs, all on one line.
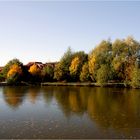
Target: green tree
{"points": [[102, 54], [58, 72], [103, 74], [61, 71], [84, 75], [48, 73], [1, 77], [120, 52], [135, 83], [124, 57]]}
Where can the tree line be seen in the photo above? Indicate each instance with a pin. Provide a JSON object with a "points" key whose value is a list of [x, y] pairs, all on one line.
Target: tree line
{"points": [[108, 62]]}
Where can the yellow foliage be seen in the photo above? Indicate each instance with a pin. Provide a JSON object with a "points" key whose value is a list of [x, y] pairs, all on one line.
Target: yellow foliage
{"points": [[84, 75], [91, 64], [117, 63], [14, 69], [34, 70], [74, 65]]}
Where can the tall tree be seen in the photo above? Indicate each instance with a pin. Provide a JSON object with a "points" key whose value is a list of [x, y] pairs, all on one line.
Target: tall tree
{"points": [[76, 65], [61, 71], [102, 54], [84, 75]]}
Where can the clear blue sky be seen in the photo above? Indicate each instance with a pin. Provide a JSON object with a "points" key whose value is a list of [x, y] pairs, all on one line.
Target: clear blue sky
{"points": [[42, 31]]}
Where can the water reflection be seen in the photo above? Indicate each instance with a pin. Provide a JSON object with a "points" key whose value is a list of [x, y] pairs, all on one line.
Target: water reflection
{"points": [[14, 96], [33, 94], [48, 94], [114, 108], [109, 108]]}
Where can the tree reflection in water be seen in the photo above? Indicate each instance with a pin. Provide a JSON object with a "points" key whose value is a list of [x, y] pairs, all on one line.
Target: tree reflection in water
{"points": [[107, 107], [14, 96], [33, 93]]}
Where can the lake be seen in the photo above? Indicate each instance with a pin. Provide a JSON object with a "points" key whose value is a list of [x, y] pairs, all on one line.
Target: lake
{"points": [[69, 112]]}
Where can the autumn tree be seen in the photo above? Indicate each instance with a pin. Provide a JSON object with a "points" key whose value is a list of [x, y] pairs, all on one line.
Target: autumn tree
{"points": [[8, 66], [34, 70], [14, 74], [92, 68], [76, 65], [120, 52], [84, 75], [134, 47], [74, 68], [35, 73], [102, 54], [124, 57]]}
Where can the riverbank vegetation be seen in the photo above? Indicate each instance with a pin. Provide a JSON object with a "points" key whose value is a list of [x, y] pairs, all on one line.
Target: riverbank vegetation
{"points": [[108, 62]]}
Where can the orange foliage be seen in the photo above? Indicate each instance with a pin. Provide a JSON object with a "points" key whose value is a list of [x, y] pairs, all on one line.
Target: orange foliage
{"points": [[34, 70], [14, 69]]}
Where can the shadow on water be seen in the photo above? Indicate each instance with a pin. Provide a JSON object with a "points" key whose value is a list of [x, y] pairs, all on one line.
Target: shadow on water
{"points": [[108, 108]]}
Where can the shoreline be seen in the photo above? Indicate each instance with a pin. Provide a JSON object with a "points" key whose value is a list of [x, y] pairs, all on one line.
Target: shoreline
{"points": [[89, 84]]}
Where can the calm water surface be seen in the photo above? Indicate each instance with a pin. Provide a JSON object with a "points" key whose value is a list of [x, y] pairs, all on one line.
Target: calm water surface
{"points": [[69, 112]]}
